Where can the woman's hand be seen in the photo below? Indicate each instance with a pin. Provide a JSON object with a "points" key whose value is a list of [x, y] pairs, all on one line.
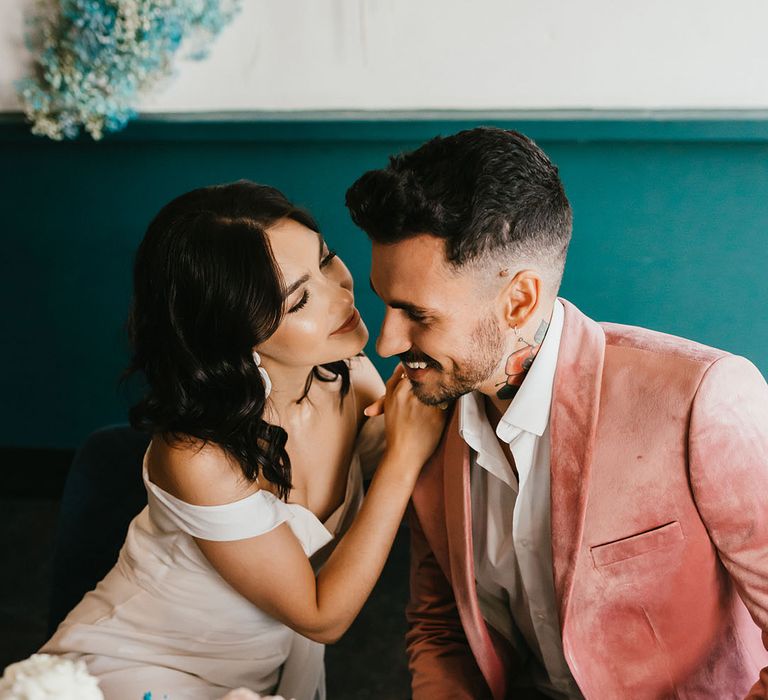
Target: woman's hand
{"points": [[413, 429]]}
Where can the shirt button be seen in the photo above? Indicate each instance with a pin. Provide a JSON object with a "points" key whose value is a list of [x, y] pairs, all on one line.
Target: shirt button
{"points": [[525, 543], [541, 615]]}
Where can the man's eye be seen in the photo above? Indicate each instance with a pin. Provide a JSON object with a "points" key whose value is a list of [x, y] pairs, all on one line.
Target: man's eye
{"points": [[418, 318], [300, 304], [327, 258]]}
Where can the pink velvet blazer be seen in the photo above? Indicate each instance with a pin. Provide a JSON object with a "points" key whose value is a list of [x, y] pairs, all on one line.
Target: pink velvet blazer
{"points": [[659, 498]]}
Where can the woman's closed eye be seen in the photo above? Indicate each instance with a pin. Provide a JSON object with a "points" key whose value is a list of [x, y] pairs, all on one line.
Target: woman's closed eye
{"points": [[301, 303]]}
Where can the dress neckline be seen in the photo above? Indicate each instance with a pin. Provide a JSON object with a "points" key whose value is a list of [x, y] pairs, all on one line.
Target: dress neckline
{"points": [[329, 525]]}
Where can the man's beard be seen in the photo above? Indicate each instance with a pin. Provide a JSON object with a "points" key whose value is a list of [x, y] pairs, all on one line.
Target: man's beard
{"points": [[474, 370]]}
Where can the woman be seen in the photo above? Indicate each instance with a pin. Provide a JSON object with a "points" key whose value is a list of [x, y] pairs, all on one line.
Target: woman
{"points": [[244, 327]]}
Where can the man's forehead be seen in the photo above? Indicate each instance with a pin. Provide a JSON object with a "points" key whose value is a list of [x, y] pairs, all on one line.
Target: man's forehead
{"points": [[414, 270], [422, 255]]}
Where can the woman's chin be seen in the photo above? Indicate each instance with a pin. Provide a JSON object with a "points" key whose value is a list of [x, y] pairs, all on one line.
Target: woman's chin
{"points": [[363, 335]]}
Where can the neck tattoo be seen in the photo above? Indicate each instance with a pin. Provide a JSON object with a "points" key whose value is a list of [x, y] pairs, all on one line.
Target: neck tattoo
{"points": [[519, 362]]}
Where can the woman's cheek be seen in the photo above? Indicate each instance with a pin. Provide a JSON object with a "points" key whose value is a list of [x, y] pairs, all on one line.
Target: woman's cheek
{"points": [[302, 337]]}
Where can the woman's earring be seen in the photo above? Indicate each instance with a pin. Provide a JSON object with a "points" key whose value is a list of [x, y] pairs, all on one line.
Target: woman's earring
{"points": [[264, 375]]}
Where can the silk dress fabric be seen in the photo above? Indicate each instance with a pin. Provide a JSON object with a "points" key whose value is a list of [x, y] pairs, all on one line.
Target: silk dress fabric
{"points": [[164, 621]]}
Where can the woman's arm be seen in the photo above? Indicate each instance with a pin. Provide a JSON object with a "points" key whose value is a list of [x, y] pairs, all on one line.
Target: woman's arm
{"points": [[273, 571]]}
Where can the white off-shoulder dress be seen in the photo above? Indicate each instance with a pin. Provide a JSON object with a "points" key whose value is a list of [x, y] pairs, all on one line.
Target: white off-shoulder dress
{"points": [[164, 621]]}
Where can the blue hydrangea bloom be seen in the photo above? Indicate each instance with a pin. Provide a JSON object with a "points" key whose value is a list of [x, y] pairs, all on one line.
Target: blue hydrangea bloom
{"points": [[96, 57]]}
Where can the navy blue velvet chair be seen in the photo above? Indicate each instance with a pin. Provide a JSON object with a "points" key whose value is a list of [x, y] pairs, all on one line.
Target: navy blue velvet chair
{"points": [[104, 491]]}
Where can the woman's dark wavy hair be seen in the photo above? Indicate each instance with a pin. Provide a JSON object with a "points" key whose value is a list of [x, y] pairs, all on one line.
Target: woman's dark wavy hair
{"points": [[206, 291]]}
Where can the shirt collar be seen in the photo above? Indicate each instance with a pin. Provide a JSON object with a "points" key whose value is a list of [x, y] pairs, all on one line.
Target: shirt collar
{"points": [[528, 411], [477, 432]]}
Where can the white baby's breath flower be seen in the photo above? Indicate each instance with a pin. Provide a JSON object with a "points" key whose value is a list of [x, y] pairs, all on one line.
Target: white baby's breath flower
{"points": [[46, 677]]}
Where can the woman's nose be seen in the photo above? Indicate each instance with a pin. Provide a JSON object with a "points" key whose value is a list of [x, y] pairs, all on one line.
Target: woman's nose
{"points": [[340, 292], [340, 275], [345, 278]]}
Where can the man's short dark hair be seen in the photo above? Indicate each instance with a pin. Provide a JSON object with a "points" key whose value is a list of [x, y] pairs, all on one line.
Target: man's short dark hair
{"points": [[487, 192]]}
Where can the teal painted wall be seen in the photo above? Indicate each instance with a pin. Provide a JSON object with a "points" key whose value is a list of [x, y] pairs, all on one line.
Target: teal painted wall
{"points": [[670, 233]]}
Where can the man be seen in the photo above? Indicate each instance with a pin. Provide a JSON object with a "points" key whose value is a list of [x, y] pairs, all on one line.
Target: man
{"points": [[595, 521]]}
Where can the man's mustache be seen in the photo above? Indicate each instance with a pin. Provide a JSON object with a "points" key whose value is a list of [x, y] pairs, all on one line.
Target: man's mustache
{"points": [[414, 356]]}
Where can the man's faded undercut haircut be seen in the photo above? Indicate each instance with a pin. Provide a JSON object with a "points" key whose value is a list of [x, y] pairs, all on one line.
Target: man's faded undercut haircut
{"points": [[491, 194]]}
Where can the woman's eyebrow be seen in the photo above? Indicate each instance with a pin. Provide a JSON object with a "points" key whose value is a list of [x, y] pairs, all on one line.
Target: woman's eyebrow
{"points": [[295, 285]]}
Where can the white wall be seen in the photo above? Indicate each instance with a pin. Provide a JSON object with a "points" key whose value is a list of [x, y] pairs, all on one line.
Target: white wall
{"points": [[462, 54]]}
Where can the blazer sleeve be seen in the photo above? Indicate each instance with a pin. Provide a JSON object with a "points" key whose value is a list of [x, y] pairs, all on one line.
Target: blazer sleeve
{"points": [[728, 453], [439, 657]]}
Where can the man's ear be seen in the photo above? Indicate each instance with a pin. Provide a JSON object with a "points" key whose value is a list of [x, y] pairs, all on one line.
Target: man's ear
{"points": [[520, 298]]}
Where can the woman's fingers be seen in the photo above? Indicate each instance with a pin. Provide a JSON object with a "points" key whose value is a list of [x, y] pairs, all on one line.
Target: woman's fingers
{"points": [[396, 376], [377, 407]]}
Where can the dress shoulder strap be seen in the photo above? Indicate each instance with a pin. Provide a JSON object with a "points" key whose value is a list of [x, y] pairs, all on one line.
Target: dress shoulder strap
{"points": [[253, 515]]}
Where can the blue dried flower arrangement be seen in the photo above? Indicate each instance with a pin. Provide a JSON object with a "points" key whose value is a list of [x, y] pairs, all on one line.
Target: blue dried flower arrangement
{"points": [[96, 57]]}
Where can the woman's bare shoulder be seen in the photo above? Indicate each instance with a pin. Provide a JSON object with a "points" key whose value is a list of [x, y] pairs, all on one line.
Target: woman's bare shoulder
{"points": [[197, 472]]}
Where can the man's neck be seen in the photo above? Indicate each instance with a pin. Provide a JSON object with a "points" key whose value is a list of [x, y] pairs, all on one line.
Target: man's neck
{"points": [[514, 368], [495, 408]]}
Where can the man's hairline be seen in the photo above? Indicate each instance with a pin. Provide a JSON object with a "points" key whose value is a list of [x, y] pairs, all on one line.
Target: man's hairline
{"points": [[485, 262]]}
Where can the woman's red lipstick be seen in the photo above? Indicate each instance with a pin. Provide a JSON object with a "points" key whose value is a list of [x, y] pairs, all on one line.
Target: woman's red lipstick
{"points": [[350, 324]]}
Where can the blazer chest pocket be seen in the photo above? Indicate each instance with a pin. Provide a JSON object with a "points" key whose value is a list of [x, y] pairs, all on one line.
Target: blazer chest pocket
{"points": [[635, 545]]}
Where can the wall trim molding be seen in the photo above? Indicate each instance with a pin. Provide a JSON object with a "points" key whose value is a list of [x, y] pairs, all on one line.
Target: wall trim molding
{"points": [[399, 126]]}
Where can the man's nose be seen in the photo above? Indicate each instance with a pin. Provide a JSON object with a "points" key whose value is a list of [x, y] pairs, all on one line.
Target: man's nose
{"points": [[393, 337]]}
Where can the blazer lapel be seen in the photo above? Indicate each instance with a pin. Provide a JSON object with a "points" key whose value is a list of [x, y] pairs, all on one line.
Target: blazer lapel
{"points": [[573, 422], [458, 519]]}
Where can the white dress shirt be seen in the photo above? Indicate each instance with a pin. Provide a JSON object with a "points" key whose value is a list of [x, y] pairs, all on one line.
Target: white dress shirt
{"points": [[511, 528]]}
